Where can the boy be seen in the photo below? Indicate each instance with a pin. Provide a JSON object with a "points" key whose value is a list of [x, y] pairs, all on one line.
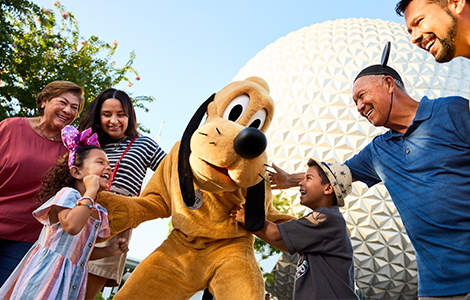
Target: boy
{"points": [[325, 269]]}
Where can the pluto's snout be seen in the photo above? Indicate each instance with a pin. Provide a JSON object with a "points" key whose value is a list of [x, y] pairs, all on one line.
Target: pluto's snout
{"points": [[250, 143]]}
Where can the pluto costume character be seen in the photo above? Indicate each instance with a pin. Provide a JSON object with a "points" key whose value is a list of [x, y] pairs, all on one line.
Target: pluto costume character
{"points": [[212, 169]]}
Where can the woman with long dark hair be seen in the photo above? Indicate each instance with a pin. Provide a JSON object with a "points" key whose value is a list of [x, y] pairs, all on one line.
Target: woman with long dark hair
{"points": [[112, 116]]}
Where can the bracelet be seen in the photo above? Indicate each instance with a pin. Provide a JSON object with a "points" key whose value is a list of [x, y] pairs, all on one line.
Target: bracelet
{"points": [[87, 198], [91, 207]]}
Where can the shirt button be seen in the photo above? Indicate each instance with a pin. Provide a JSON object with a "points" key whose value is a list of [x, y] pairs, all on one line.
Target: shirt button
{"points": [[407, 151], [89, 245], [74, 287], [96, 225], [82, 264]]}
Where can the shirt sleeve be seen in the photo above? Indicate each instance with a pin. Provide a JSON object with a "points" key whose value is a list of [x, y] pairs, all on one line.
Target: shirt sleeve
{"points": [[362, 166], [312, 233], [460, 115], [155, 154], [66, 198]]}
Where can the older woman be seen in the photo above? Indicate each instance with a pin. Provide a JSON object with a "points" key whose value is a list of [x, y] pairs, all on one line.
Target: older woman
{"points": [[28, 148]]}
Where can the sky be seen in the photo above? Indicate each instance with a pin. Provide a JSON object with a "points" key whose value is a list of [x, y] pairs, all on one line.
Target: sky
{"points": [[187, 50]]}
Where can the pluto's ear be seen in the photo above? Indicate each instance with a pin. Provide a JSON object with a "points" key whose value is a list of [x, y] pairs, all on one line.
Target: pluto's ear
{"points": [[184, 169], [254, 207]]}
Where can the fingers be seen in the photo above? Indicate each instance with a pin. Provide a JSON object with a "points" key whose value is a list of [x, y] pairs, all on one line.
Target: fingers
{"points": [[276, 168], [237, 214], [273, 177], [274, 181], [123, 245], [91, 181], [233, 214]]}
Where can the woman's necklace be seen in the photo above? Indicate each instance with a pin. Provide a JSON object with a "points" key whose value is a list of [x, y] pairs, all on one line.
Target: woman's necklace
{"points": [[119, 143], [42, 132]]}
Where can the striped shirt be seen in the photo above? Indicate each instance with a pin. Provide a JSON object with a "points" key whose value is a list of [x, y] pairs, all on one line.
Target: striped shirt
{"points": [[143, 154]]}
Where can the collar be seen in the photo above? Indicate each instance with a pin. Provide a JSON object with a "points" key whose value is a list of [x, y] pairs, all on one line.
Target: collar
{"points": [[119, 140], [423, 113]]}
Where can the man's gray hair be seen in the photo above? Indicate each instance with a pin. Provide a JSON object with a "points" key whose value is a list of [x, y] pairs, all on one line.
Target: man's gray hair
{"points": [[398, 83]]}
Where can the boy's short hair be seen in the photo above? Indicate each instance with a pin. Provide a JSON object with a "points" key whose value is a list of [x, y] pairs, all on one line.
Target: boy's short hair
{"points": [[338, 175], [321, 173]]}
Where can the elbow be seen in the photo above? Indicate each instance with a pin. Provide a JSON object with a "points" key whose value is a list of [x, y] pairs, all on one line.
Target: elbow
{"points": [[277, 236], [72, 230], [273, 233]]}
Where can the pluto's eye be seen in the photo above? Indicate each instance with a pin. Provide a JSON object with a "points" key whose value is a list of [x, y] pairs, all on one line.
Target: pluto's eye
{"points": [[237, 108], [258, 119]]}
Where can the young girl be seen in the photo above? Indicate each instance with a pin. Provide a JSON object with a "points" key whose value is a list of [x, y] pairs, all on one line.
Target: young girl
{"points": [[56, 265]]}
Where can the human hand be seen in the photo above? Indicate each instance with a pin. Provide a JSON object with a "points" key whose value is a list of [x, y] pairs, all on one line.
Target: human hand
{"points": [[118, 247], [92, 183], [237, 214], [280, 179]]}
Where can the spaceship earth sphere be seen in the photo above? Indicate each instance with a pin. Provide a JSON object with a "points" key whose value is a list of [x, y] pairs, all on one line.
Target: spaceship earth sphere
{"points": [[310, 73]]}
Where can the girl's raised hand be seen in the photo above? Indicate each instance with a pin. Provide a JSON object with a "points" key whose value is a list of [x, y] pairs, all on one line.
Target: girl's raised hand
{"points": [[92, 184]]}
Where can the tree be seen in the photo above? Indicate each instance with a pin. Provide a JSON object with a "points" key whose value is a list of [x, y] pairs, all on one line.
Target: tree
{"points": [[282, 204], [42, 45]]}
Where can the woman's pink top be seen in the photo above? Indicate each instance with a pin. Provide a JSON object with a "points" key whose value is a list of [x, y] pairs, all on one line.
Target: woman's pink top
{"points": [[25, 157]]}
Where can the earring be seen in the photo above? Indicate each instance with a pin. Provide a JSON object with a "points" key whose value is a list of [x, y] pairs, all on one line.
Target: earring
{"points": [[42, 105]]}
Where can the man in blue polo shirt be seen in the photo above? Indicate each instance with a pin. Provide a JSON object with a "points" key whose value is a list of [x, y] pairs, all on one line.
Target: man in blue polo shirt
{"points": [[424, 161]]}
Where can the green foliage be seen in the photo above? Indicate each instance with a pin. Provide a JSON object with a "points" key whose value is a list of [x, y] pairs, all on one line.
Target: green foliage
{"points": [[170, 227], [39, 46], [283, 205], [100, 296]]}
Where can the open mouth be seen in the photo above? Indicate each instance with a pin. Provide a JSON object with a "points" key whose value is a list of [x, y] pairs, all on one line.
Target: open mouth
{"points": [[427, 45], [105, 176], [62, 118], [219, 169], [369, 112]]}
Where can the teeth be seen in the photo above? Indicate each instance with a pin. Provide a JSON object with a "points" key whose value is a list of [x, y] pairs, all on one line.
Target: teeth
{"points": [[429, 44], [63, 118], [367, 115]]}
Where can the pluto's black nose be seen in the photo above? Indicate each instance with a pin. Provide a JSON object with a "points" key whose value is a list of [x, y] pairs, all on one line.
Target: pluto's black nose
{"points": [[250, 142]]}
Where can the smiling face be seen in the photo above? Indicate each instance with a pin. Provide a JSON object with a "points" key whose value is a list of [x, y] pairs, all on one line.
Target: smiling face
{"points": [[216, 163], [61, 110], [114, 119], [432, 28], [372, 99], [96, 163], [313, 189]]}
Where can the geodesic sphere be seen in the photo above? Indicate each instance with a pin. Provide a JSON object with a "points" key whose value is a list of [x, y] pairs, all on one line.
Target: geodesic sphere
{"points": [[310, 73]]}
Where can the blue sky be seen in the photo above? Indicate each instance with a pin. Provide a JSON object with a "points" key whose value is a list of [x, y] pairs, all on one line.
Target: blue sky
{"points": [[187, 50]]}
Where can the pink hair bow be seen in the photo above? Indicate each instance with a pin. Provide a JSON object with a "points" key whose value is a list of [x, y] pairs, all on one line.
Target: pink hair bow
{"points": [[73, 139]]}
